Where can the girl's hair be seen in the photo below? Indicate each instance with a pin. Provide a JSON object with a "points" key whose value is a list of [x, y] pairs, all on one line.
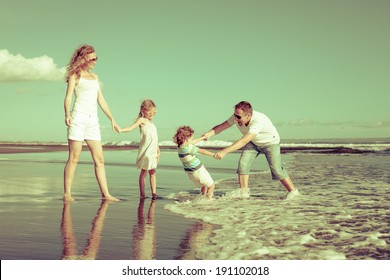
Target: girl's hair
{"points": [[182, 134], [77, 61], [146, 106]]}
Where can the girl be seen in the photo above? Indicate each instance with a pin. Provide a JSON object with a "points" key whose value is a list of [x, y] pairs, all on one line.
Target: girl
{"points": [[149, 151], [82, 121]]}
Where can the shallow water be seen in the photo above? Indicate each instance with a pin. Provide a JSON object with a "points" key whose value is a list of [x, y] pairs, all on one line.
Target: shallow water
{"points": [[37, 225], [343, 212]]}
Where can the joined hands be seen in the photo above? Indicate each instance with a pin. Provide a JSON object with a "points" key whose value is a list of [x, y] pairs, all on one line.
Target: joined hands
{"points": [[219, 155]]}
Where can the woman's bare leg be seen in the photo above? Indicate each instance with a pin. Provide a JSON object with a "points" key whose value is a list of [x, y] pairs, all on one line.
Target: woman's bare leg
{"points": [[75, 148], [100, 171]]}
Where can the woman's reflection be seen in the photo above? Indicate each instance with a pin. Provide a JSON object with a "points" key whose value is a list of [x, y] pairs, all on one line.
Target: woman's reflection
{"points": [[144, 234], [69, 240]]}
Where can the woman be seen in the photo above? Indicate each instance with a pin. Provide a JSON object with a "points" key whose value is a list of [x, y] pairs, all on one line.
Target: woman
{"points": [[82, 121]]}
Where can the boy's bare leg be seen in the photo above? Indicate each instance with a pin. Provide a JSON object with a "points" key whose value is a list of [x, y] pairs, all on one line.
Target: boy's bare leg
{"points": [[210, 191]]}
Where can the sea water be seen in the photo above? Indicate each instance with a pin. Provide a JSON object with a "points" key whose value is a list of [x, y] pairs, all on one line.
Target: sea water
{"points": [[343, 212]]}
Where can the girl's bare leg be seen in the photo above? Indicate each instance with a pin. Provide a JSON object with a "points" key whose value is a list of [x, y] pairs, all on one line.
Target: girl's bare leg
{"points": [[142, 177], [153, 182]]}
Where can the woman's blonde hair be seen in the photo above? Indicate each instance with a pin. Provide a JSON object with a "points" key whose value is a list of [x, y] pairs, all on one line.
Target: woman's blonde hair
{"points": [[182, 134], [77, 61], [146, 106]]}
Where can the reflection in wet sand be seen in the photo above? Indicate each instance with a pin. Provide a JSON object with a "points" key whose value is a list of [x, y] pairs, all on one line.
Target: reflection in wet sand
{"points": [[195, 239], [144, 234], [69, 241]]}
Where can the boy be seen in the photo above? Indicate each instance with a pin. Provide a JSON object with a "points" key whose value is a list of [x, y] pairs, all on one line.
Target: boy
{"points": [[184, 138]]}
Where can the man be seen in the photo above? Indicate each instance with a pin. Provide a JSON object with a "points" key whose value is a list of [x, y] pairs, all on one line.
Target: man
{"points": [[259, 136]]}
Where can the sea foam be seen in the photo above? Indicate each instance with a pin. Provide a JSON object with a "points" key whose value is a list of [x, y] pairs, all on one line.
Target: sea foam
{"points": [[333, 219]]}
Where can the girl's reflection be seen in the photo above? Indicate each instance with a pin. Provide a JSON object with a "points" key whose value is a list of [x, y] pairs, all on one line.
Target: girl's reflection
{"points": [[69, 240], [144, 234]]}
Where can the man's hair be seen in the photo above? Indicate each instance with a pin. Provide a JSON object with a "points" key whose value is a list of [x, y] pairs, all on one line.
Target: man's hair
{"points": [[182, 134], [245, 106]]}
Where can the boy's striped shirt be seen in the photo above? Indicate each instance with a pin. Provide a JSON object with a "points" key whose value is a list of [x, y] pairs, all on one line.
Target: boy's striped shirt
{"points": [[187, 154]]}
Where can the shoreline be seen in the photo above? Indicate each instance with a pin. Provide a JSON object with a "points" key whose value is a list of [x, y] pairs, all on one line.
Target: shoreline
{"points": [[12, 148]]}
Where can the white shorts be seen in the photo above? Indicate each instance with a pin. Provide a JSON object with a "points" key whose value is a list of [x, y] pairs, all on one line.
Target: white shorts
{"points": [[201, 177], [84, 127]]}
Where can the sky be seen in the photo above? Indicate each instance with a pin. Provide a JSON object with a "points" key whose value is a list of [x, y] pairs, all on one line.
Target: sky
{"points": [[317, 69]]}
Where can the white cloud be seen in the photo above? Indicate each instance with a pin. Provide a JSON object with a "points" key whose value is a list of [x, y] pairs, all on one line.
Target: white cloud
{"points": [[16, 68]]}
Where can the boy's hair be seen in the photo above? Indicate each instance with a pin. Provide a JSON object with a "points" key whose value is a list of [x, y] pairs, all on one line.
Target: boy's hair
{"points": [[182, 134]]}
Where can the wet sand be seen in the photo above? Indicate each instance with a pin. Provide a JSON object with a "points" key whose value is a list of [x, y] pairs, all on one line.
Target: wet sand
{"points": [[36, 224]]}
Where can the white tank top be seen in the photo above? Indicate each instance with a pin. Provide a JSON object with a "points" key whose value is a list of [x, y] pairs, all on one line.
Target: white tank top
{"points": [[86, 94]]}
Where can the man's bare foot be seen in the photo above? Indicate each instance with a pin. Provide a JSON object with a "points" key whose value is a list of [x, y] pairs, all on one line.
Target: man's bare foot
{"points": [[68, 198]]}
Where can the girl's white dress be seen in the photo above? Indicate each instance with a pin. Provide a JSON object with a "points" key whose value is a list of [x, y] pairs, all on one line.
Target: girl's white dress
{"points": [[147, 153]]}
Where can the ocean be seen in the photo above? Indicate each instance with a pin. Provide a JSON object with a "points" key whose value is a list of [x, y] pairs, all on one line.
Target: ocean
{"points": [[342, 212]]}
